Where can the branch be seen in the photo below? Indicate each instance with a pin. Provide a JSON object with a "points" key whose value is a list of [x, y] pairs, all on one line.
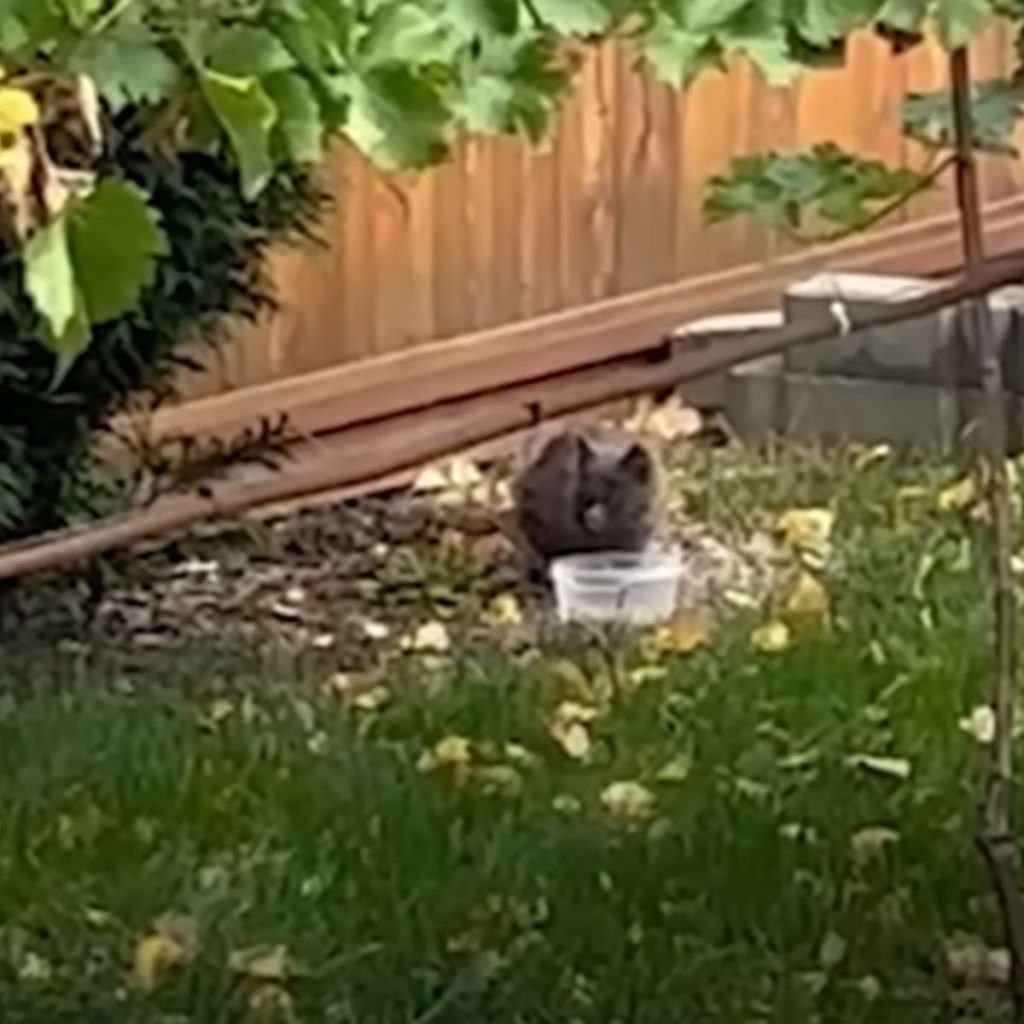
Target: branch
{"points": [[995, 836]]}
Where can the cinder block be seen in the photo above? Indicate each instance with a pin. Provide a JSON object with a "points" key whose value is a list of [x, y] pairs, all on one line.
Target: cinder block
{"points": [[763, 400], [932, 349]]}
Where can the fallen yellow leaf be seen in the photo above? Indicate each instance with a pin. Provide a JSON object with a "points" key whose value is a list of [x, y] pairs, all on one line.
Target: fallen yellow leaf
{"points": [[505, 610], [869, 843], [806, 529], [981, 724], [772, 637], [628, 801], [958, 496], [807, 598], [432, 636], [430, 478], [672, 420], [271, 1002], [676, 770], [686, 633], [171, 943], [570, 728], [261, 963], [869, 456], [449, 752]]}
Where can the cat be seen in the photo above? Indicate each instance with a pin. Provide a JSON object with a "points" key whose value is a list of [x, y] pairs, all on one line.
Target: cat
{"points": [[584, 490]]}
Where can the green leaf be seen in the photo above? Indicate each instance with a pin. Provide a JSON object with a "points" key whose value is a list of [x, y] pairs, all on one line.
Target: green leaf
{"points": [[247, 115], [50, 283], [128, 67], [50, 276], [243, 51], [997, 106], [403, 32], [772, 57], [700, 16], [115, 239], [575, 17], [397, 118], [299, 120], [677, 55], [905, 15], [483, 17], [961, 20], [825, 183]]}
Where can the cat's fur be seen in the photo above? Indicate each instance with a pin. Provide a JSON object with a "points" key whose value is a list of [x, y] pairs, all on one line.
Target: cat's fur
{"points": [[583, 490]]}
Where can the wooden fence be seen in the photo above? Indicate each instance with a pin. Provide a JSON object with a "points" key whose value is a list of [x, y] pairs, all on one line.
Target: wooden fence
{"points": [[609, 206]]}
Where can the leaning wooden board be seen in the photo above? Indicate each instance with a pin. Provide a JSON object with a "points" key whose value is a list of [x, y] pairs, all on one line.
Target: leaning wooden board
{"points": [[531, 350]]}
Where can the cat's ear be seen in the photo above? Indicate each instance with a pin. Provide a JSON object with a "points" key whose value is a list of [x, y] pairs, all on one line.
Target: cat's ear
{"points": [[565, 448], [638, 464]]}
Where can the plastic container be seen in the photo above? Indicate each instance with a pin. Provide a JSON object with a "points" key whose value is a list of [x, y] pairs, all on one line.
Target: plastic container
{"points": [[633, 588]]}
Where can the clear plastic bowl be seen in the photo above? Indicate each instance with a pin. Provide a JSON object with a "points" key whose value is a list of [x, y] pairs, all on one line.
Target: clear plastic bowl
{"points": [[633, 588]]}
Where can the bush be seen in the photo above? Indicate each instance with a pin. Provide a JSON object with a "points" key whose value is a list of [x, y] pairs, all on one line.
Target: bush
{"points": [[214, 270]]}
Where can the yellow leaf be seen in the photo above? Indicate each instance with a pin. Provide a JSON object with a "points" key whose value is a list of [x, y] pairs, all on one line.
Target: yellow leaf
{"points": [[897, 767], [271, 1002], [33, 967], [869, 456], [807, 598], [261, 963], [464, 474], [569, 728], [670, 421], [959, 496], [499, 780], [376, 630], [372, 700], [505, 610], [869, 843], [573, 738], [18, 110], [432, 636], [449, 752], [628, 801], [430, 478], [806, 529], [686, 633], [171, 943], [676, 770], [981, 724], [772, 637]]}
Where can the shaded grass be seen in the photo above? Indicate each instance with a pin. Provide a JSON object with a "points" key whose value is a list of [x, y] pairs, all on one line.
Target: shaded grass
{"points": [[248, 798]]}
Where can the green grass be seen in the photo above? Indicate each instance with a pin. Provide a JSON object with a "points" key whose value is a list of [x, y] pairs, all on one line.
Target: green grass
{"points": [[406, 896]]}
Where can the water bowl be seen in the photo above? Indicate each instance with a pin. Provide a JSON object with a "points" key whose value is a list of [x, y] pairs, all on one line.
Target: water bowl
{"points": [[632, 588]]}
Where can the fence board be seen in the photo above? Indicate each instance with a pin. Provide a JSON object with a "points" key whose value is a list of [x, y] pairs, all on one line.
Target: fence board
{"points": [[608, 206]]}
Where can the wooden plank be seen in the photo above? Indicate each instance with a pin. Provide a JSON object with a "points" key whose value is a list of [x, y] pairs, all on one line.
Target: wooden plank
{"points": [[600, 331]]}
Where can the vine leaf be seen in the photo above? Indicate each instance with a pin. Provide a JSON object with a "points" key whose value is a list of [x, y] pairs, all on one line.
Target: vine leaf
{"points": [[50, 283], [247, 115], [300, 122], [825, 183], [575, 17], [961, 20], [397, 117], [128, 66], [115, 239], [997, 106], [243, 51]]}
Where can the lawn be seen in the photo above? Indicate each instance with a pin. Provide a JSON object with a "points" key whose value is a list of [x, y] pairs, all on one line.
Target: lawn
{"points": [[489, 822]]}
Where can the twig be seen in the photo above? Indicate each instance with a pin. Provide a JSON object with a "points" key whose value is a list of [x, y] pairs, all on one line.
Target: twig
{"points": [[995, 838]]}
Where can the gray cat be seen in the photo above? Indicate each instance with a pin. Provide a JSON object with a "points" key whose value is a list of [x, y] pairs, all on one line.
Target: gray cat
{"points": [[584, 490]]}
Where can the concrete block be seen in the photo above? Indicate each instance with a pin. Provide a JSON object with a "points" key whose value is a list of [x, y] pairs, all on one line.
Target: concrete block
{"points": [[933, 349], [763, 400]]}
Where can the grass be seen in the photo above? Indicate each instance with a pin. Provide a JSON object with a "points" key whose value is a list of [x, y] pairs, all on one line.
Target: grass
{"points": [[777, 877]]}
